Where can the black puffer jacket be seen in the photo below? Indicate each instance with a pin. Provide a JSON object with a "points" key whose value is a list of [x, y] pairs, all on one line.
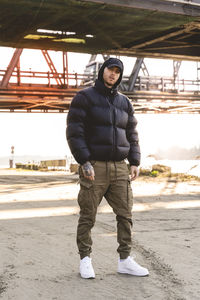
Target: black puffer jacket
{"points": [[101, 125]]}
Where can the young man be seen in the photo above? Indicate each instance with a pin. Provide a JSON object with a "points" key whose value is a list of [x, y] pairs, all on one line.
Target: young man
{"points": [[101, 133]]}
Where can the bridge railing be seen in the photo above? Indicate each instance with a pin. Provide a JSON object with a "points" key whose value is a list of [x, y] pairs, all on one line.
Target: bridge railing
{"points": [[75, 80], [166, 84], [48, 78]]}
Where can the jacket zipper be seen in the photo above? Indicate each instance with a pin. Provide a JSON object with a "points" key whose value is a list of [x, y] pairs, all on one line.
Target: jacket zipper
{"points": [[114, 136], [113, 118]]}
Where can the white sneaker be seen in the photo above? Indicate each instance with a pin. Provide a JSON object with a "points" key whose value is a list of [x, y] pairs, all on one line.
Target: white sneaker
{"points": [[129, 266], [86, 269]]}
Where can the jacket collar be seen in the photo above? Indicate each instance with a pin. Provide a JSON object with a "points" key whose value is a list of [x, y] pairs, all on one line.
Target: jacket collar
{"points": [[102, 89]]}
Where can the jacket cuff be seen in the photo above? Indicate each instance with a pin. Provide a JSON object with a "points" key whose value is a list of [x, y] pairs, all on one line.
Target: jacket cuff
{"points": [[134, 163]]}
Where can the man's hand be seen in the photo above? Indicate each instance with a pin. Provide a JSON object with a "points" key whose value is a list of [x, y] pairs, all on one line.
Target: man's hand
{"points": [[88, 170], [134, 172]]}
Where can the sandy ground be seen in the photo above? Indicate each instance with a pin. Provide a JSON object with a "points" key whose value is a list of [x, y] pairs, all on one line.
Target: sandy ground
{"points": [[38, 254]]}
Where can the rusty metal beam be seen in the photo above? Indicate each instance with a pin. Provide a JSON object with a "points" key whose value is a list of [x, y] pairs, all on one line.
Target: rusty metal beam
{"points": [[52, 67], [143, 101], [186, 29], [151, 94], [65, 69], [93, 26], [13, 63], [151, 54], [173, 47]]}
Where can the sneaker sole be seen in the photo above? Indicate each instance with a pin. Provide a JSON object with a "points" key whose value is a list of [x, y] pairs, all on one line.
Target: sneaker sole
{"points": [[87, 277], [121, 272]]}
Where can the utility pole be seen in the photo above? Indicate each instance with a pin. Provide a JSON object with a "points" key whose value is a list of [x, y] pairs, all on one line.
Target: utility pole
{"points": [[12, 157]]}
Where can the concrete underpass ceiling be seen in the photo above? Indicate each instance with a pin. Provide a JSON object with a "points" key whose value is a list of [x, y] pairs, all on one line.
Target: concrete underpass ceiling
{"points": [[164, 29]]}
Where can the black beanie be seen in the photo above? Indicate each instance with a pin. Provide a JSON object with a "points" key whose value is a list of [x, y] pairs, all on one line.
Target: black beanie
{"points": [[112, 62]]}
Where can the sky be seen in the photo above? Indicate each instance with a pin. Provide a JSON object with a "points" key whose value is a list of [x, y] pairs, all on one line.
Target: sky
{"points": [[44, 134], [34, 60]]}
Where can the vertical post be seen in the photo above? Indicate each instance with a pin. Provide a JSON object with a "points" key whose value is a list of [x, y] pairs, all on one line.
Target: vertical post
{"points": [[48, 75], [162, 83], [65, 69], [30, 84], [18, 73]]}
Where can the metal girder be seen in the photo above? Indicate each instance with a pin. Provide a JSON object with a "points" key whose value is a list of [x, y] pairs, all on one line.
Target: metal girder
{"points": [[58, 100], [150, 94], [176, 68], [145, 28], [165, 42], [52, 67], [65, 69], [92, 57], [186, 29], [191, 8], [132, 52], [13, 63], [144, 69], [139, 107], [134, 73]]}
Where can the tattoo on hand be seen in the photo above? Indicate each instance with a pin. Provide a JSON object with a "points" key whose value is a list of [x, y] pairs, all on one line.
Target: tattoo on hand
{"points": [[87, 169]]}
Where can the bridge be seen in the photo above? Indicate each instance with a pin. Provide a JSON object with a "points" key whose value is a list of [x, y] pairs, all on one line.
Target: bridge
{"points": [[36, 91], [146, 28]]}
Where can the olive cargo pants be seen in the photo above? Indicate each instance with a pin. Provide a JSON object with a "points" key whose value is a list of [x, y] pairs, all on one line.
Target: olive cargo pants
{"points": [[112, 182]]}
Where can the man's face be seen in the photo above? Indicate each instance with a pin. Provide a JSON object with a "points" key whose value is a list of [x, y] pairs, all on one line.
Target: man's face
{"points": [[110, 76]]}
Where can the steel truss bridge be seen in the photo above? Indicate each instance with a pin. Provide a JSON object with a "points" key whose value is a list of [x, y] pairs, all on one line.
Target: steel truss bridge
{"points": [[36, 91], [140, 28], [146, 28]]}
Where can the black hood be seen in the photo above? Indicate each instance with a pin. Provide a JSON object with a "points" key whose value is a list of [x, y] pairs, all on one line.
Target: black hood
{"points": [[112, 62]]}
